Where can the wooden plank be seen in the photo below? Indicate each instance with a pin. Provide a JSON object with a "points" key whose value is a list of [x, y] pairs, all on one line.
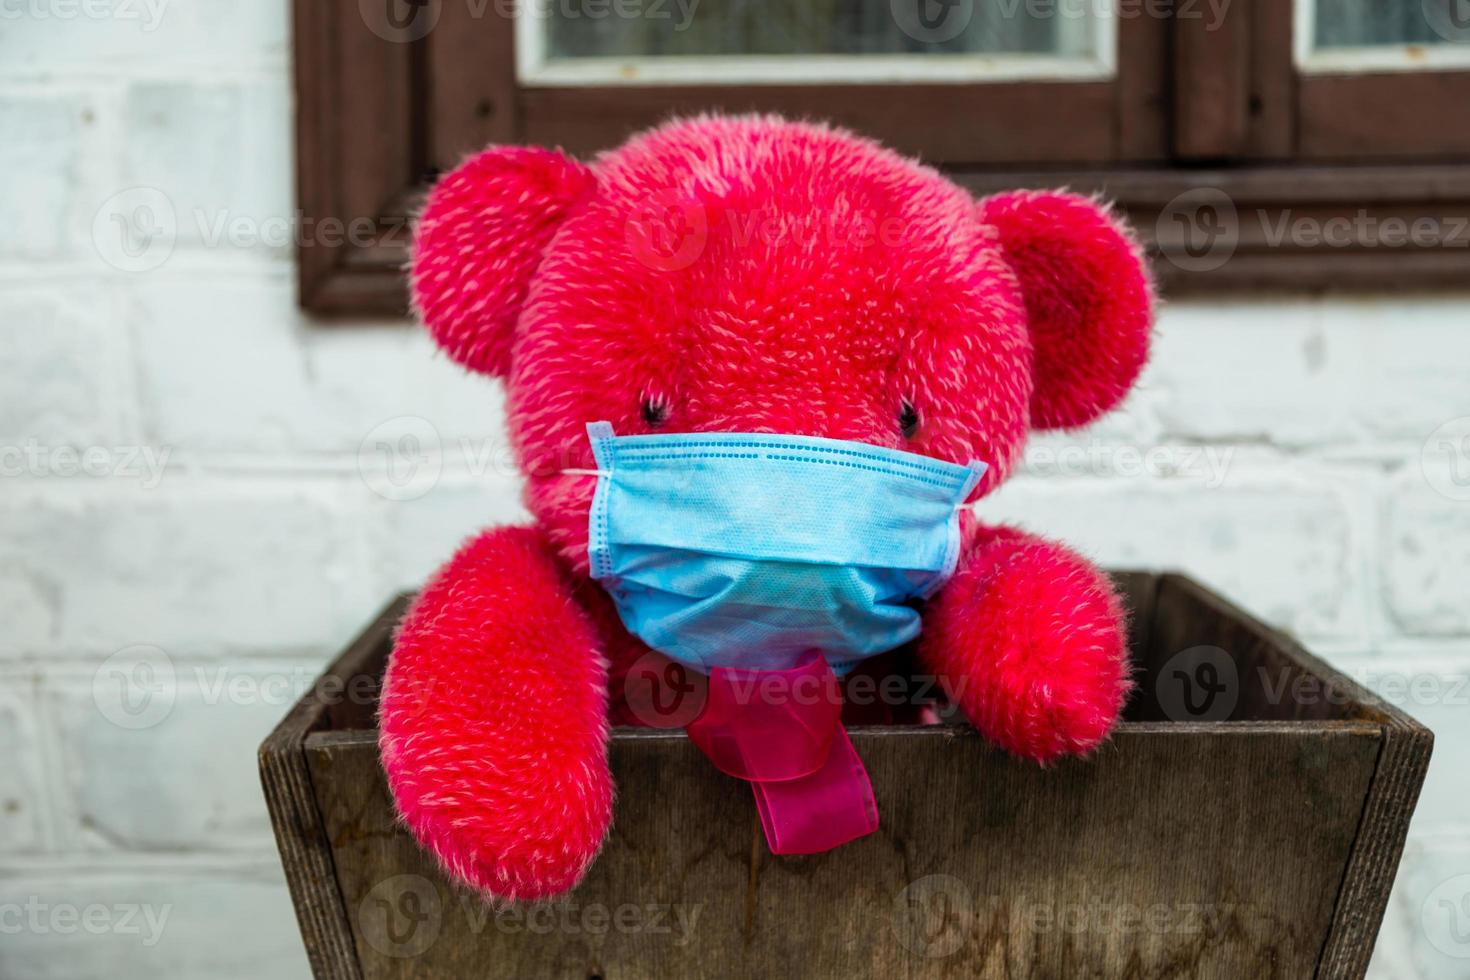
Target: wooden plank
{"points": [[1305, 185], [291, 799], [1162, 856], [1142, 98], [1212, 82], [354, 292], [371, 279], [1203, 643], [1234, 82], [1320, 272], [1272, 104], [358, 147], [1399, 772], [373, 98], [998, 123], [471, 76], [1304, 227], [1137, 590], [305, 854], [316, 163], [376, 285], [1416, 116], [1379, 845]]}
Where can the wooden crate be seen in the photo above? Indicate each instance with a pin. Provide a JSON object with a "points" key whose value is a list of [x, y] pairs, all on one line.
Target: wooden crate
{"points": [[1258, 842]]}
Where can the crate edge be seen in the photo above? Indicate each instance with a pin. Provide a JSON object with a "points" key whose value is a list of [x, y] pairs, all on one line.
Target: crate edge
{"points": [[306, 854]]}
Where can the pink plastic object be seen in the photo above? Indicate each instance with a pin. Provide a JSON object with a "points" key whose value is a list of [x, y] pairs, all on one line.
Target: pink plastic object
{"points": [[781, 731]]}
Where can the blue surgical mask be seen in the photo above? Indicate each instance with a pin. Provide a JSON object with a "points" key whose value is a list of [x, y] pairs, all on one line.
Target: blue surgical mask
{"points": [[749, 550]]}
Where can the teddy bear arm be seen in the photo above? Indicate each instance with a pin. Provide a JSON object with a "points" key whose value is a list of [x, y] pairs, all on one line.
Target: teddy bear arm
{"points": [[494, 720], [1030, 639]]}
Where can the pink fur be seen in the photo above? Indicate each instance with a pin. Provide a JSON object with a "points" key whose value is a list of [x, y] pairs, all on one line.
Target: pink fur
{"points": [[1029, 640], [494, 720], [740, 274]]}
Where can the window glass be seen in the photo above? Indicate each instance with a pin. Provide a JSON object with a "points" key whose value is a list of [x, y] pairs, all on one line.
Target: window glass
{"points": [[810, 40], [1370, 23]]}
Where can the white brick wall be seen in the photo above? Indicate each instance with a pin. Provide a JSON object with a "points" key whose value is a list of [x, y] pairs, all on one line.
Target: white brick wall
{"points": [[1287, 441]]}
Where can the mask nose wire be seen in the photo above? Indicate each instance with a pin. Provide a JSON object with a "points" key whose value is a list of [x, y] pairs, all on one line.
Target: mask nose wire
{"points": [[579, 471]]}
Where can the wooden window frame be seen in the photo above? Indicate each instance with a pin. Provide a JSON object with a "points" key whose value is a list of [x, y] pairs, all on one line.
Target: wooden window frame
{"points": [[1302, 159]]}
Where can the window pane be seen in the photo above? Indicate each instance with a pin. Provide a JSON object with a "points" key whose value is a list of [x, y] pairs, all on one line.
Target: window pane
{"points": [[1373, 23], [817, 27], [810, 40]]}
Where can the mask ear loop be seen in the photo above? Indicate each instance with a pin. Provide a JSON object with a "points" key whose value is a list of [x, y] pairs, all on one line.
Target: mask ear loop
{"points": [[977, 470], [574, 471]]}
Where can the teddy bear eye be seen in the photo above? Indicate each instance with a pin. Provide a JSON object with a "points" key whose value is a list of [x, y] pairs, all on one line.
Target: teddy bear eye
{"points": [[654, 412], [908, 419]]}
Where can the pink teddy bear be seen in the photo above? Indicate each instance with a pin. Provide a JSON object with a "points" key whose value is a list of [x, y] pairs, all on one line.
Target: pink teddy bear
{"points": [[741, 275]]}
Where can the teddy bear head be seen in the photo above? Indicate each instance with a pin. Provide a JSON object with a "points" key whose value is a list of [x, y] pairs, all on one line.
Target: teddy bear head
{"points": [[750, 274]]}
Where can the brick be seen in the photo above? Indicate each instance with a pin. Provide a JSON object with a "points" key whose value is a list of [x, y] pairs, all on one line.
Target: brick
{"points": [[192, 566], [1426, 542], [1393, 954], [219, 154], [1281, 547], [232, 366], [221, 924], [1300, 373], [371, 375], [30, 607], [83, 35], [218, 33], [1245, 371], [1133, 424], [46, 141], [54, 370], [159, 752], [22, 786], [220, 365], [1410, 350], [1426, 929], [419, 535]]}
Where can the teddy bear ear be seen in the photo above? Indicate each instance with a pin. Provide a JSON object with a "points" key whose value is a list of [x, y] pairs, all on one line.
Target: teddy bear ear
{"points": [[479, 242], [1089, 302]]}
